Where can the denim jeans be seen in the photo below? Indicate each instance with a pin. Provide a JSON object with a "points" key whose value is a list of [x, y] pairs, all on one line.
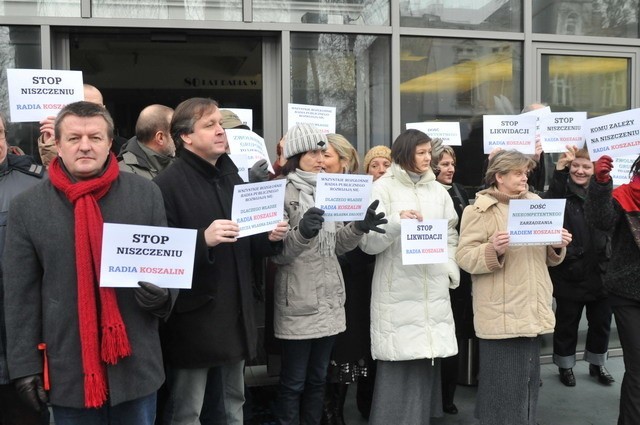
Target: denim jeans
{"points": [[302, 377], [187, 389], [141, 411]]}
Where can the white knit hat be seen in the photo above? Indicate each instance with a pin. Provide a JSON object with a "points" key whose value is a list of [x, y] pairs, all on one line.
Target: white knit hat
{"points": [[304, 138]]}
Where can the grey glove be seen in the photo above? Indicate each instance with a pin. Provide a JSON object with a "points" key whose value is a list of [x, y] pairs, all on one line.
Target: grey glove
{"points": [[311, 223], [372, 220], [259, 172], [31, 391], [151, 297]]}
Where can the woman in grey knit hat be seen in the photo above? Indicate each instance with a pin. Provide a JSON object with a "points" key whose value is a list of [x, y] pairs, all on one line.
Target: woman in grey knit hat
{"points": [[309, 293]]}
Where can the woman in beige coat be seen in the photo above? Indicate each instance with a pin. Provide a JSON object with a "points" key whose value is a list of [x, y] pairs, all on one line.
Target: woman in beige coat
{"points": [[512, 295]]}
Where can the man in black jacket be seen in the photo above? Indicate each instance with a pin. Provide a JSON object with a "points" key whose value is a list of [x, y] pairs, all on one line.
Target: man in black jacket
{"points": [[213, 323]]}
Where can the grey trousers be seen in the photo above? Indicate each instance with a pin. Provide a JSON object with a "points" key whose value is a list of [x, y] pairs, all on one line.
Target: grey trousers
{"points": [[186, 394]]}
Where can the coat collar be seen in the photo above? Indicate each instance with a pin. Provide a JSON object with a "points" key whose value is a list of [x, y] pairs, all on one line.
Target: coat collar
{"points": [[224, 165], [396, 172]]}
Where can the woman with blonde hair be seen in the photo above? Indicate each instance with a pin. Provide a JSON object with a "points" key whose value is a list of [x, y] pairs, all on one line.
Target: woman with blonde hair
{"points": [[340, 156], [512, 294]]}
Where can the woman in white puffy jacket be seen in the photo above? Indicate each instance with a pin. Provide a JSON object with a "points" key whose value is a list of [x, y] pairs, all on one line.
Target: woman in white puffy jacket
{"points": [[411, 320]]}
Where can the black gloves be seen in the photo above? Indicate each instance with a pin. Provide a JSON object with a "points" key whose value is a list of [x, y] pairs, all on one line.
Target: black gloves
{"points": [[259, 172], [31, 391], [311, 223], [372, 220], [151, 297]]}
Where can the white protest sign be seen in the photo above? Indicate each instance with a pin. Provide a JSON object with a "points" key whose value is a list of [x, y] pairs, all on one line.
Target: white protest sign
{"points": [[613, 134], [343, 197], [448, 132], [246, 142], [242, 163], [35, 94], [510, 132], [160, 255], [559, 129], [621, 168], [424, 242], [258, 207], [535, 221], [245, 115], [321, 117]]}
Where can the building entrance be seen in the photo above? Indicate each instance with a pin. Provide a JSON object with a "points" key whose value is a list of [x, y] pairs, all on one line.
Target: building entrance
{"points": [[134, 68]]}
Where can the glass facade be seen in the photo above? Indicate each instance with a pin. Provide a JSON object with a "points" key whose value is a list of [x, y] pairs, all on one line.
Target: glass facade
{"points": [[19, 48], [490, 15], [598, 85], [350, 72], [350, 12], [51, 8], [605, 18], [460, 80], [199, 10]]}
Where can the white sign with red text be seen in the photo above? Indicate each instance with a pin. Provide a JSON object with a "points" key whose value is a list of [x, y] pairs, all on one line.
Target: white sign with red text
{"points": [[510, 132]]}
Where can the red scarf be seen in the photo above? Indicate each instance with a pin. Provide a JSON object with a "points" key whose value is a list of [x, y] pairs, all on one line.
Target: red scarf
{"points": [[628, 196], [109, 342]]}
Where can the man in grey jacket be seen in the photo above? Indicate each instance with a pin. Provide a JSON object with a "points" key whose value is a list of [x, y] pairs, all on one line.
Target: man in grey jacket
{"points": [[152, 149], [100, 360], [17, 174]]}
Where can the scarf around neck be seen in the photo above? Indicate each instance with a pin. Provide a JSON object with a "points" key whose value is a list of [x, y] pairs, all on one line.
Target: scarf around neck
{"points": [[628, 196], [305, 182], [103, 340]]}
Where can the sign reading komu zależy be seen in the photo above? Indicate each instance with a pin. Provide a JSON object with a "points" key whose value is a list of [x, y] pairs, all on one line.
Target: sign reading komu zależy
{"points": [[35, 94], [343, 197], [424, 242], [510, 132], [160, 255], [613, 134], [535, 221], [258, 207]]}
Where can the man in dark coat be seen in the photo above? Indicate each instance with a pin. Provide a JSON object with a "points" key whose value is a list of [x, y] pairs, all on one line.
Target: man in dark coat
{"points": [[213, 323], [17, 174], [103, 359]]}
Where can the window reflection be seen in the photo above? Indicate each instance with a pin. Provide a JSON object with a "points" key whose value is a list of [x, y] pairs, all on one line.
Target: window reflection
{"points": [[62, 8], [19, 48], [192, 10], [350, 72], [347, 12], [589, 17], [490, 15], [598, 85], [460, 80]]}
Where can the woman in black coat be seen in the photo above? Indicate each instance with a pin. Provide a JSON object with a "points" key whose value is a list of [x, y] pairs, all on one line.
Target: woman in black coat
{"points": [[443, 162], [577, 281]]}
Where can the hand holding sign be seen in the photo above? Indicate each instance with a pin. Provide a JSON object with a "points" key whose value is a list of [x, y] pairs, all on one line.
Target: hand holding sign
{"points": [[566, 239], [567, 158], [279, 232], [500, 242], [411, 214], [221, 231], [311, 223], [604, 165], [372, 220], [151, 297]]}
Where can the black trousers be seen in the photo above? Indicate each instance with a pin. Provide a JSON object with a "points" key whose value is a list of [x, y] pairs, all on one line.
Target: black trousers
{"points": [[568, 315], [627, 320]]}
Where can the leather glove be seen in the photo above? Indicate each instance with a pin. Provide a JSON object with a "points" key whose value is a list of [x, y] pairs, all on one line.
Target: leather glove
{"points": [[151, 297], [604, 165], [372, 220], [31, 391], [311, 223], [259, 172]]}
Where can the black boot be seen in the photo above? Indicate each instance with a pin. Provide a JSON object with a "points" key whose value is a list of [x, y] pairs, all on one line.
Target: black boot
{"points": [[604, 377], [567, 377]]}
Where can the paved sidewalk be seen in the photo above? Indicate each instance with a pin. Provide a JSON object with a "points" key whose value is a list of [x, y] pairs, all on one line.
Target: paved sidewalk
{"points": [[588, 403]]}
